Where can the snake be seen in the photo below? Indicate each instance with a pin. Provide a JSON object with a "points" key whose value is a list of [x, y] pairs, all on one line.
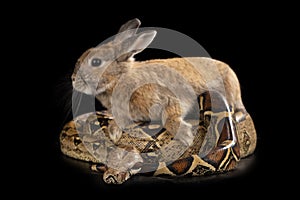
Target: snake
{"points": [[220, 142]]}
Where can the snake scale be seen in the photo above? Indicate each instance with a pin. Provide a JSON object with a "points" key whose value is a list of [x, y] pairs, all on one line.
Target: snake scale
{"points": [[219, 143]]}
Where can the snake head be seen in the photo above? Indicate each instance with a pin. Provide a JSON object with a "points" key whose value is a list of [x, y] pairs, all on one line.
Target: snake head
{"points": [[112, 176], [121, 162]]}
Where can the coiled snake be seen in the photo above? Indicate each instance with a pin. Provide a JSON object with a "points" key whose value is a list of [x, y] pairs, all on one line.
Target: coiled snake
{"points": [[220, 142]]}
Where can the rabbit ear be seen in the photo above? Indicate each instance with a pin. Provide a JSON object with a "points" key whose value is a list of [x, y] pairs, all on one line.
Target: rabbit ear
{"points": [[136, 44], [127, 30], [142, 41]]}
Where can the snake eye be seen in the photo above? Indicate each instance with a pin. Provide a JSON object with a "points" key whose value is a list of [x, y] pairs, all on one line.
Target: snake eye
{"points": [[96, 62], [77, 141]]}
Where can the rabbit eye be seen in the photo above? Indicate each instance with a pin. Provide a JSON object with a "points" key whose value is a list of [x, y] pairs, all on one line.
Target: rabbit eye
{"points": [[96, 62]]}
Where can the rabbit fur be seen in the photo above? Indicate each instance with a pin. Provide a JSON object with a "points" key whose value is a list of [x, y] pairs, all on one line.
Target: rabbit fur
{"points": [[158, 89]]}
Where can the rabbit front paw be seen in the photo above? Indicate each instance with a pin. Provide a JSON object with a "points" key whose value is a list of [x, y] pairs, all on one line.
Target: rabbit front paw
{"points": [[114, 132], [185, 134]]}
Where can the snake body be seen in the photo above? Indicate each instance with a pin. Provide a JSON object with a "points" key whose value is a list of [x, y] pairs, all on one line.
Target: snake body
{"points": [[219, 143]]}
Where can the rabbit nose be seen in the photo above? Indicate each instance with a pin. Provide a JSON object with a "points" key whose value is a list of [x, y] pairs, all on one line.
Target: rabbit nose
{"points": [[73, 77]]}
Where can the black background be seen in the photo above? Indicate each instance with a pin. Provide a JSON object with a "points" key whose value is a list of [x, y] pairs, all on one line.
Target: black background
{"points": [[238, 36]]}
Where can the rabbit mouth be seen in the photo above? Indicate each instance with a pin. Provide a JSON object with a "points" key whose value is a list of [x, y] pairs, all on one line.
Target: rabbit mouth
{"points": [[86, 89], [83, 86]]}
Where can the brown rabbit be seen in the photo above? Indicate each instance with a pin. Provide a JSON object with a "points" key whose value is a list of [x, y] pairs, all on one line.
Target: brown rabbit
{"points": [[158, 89]]}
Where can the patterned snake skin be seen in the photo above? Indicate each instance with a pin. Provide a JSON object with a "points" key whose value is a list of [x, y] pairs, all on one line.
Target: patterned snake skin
{"points": [[219, 143]]}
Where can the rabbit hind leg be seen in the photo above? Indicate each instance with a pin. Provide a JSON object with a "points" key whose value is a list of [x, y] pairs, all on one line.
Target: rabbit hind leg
{"points": [[182, 134]]}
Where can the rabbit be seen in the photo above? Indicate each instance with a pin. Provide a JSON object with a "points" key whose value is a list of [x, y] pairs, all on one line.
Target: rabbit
{"points": [[158, 89]]}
